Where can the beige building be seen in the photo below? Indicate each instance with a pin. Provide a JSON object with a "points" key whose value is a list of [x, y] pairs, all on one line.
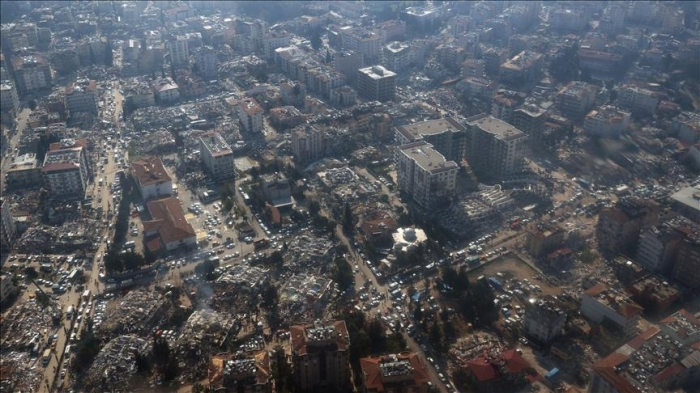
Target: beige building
{"points": [[320, 356], [217, 156], [425, 174], [376, 83], [397, 373], [307, 144], [81, 96], [151, 178], [497, 149], [606, 122], [250, 115], [65, 172]]}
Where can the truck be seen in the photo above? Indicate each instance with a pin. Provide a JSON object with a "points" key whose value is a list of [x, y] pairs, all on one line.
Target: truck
{"points": [[86, 295], [46, 357]]}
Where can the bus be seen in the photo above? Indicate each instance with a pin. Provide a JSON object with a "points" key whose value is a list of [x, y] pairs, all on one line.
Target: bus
{"points": [[46, 357], [86, 295]]}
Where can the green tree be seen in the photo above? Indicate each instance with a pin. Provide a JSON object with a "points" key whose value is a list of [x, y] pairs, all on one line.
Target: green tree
{"points": [[269, 296], [436, 336], [30, 272], [161, 351], [343, 274], [347, 219], [315, 38]]}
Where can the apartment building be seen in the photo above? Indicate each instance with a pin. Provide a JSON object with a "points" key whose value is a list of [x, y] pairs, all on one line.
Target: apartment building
{"points": [[397, 373], [496, 149], [598, 62], [543, 320], [523, 67], [530, 119], [686, 269], [9, 100], [249, 373], [8, 229], [682, 326], [273, 41], [320, 356], [447, 136], [82, 96], [606, 122], [65, 172], [24, 172], [152, 180], [478, 87], [376, 83], [307, 144], [619, 226], [250, 115], [32, 72], [611, 307], [276, 189], [637, 99], [657, 248], [543, 238], [166, 90], [576, 99], [397, 56], [348, 62], [178, 48], [425, 174], [217, 156], [368, 43], [206, 62]]}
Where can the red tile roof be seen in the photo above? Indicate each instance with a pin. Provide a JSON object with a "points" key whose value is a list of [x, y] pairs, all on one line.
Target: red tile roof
{"points": [[168, 220], [373, 376], [149, 170], [485, 371], [299, 341]]}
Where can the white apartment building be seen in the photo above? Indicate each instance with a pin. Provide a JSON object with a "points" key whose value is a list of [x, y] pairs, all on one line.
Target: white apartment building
{"points": [[606, 122], [217, 156], [397, 56], [31, 73], [601, 304], [151, 178], [65, 172], [81, 96], [250, 115], [9, 100], [206, 62], [376, 83], [543, 321], [425, 174]]}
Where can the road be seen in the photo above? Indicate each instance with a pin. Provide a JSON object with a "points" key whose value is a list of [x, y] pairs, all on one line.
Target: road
{"points": [[8, 149], [364, 274]]}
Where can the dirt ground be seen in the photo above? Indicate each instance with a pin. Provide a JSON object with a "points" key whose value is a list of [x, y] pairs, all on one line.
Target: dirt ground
{"points": [[513, 267]]}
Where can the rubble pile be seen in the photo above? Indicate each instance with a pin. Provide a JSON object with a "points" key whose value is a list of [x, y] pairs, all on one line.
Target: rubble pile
{"points": [[114, 366], [470, 347], [22, 326], [307, 248], [137, 313], [303, 293], [17, 373]]}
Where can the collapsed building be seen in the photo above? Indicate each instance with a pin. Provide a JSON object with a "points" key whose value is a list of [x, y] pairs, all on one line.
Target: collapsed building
{"points": [[137, 313], [114, 366]]}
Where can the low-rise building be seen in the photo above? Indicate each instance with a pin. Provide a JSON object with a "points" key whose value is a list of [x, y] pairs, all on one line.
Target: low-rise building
{"points": [[168, 228], [320, 355], [607, 122], [151, 178], [425, 174], [681, 326], [249, 373], [646, 362], [612, 308], [217, 156], [397, 373], [544, 238], [576, 99], [166, 90], [543, 320], [653, 294], [276, 189], [478, 87]]}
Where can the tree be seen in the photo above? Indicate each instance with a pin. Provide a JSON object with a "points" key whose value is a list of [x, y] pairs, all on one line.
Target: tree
{"points": [[315, 38], [436, 335], [347, 218], [109, 60], [161, 351], [30, 272], [343, 274], [32, 104], [418, 313], [269, 296], [329, 58]]}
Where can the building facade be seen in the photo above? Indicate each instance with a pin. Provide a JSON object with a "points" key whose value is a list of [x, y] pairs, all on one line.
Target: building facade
{"points": [[496, 148], [543, 320], [376, 83], [217, 156], [397, 373], [320, 356], [425, 174], [151, 178], [307, 144], [81, 96], [65, 172], [250, 115]]}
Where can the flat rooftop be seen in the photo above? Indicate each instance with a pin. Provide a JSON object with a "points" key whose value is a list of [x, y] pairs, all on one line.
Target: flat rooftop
{"points": [[416, 131], [429, 159], [216, 144], [689, 196], [497, 128], [377, 72]]}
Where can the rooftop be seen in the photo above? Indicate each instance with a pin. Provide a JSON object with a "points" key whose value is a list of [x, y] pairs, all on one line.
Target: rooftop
{"points": [[250, 106], [62, 159], [216, 144], [334, 334], [81, 86], [496, 127], [649, 359], [149, 170], [169, 221], [614, 299], [429, 159], [683, 323], [689, 196], [405, 366], [377, 72], [415, 131]]}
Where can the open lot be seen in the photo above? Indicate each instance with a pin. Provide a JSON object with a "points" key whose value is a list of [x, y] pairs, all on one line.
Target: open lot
{"points": [[511, 266]]}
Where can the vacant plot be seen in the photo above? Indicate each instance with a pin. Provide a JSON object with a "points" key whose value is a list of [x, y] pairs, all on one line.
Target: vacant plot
{"points": [[511, 266]]}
